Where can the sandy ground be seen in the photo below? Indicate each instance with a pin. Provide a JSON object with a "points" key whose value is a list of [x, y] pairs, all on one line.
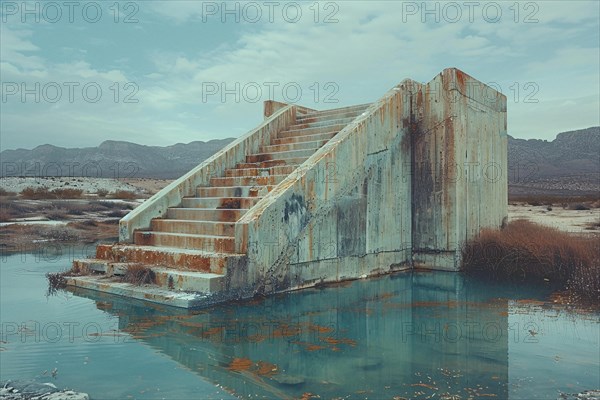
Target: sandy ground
{"points": [[148, 185], [563, 219], [88, 185]]}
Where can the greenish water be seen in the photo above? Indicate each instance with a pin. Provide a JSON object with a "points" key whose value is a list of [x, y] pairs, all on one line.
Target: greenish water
{"points": [[408, 335]]}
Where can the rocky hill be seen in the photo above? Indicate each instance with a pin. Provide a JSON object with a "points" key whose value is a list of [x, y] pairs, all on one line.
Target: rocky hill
{"points": [[569, 163], [573, 153], [112, 159]]}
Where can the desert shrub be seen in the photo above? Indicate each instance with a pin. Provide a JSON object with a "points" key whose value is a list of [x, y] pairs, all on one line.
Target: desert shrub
{"points": [[578, 207], [102, 192], [594, 225], [137, 274], [43, 193], [6, 193], [30, 193], [75, 210], [88, 223], [103, 205], [524, 251], [116, 214], [124, 195], [65, 193], [5, 215], [57, 215]]}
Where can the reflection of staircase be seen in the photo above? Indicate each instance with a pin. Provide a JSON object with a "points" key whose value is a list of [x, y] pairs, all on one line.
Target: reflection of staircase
{"points": [[192, 246]]}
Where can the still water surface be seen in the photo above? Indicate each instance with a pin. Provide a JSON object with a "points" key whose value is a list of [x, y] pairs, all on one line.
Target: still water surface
{"points": [[408, 335]]}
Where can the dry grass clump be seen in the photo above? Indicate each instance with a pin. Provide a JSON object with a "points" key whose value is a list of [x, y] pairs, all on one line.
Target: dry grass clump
{"points": [[6, 193], [56, 281], [138, 274], [42, 193], [124, 195], [524, 251]]}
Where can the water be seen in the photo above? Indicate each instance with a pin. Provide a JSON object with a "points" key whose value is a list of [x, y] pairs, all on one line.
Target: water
{"points": [[408, 335]]}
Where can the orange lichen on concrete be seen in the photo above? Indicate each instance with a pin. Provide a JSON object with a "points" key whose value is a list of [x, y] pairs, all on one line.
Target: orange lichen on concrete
{"points": [[240, 364], [331, 340]]}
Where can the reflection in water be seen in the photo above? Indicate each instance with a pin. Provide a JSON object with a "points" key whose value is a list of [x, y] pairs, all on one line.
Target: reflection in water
{"points": [[405, 335]]}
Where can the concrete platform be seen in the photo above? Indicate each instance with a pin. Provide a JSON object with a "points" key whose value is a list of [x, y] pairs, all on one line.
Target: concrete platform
{"points": [[150, 293]]}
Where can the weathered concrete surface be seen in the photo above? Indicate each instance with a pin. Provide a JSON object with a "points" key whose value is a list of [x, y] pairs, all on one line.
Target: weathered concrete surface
{"points": [[215, 166], [343, 214], [320, 196], [459, 161]]}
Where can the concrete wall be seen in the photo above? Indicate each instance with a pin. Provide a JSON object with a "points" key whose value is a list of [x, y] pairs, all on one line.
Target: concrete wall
{"points": [[228, 157], [459, 166], [344, 213]]}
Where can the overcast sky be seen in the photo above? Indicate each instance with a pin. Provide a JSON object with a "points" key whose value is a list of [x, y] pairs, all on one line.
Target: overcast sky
{"points": [[154, 72]]}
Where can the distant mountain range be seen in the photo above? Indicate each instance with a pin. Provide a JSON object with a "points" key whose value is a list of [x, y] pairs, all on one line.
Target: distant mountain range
{"points": [[573, 155], [112, 159]]}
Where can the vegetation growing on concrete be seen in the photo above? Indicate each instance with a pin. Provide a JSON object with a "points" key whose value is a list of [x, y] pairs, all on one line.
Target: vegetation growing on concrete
{"points": [[138, 274], [524, 251]]}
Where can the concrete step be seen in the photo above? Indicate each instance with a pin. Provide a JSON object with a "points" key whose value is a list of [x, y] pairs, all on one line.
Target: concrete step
{"points": [[212, 228], [151, 293], [263, 164], [311, 131], [248, 180], [281, 155], [178, 288], [306, 138], [312, 118], [189, 280], [277, 170], [359, 108], [321, 123], [171, 257], [219, 244], [205, 214], [219, 202], [167, 278], [233, 191], [293, 146]]}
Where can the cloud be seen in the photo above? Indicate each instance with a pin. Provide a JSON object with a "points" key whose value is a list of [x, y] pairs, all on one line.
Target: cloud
{"points": [[372, 47]]}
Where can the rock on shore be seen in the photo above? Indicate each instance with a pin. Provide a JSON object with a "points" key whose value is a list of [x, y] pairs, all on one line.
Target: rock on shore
{"points": [[30, 390]]}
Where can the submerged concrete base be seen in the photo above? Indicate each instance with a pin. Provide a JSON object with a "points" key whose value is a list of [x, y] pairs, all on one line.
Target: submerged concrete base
{"points": [[436, 260], [151, 293]]}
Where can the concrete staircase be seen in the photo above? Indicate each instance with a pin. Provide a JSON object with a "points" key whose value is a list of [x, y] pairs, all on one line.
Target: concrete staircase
{"points": [[284, 207], [193, 245]]}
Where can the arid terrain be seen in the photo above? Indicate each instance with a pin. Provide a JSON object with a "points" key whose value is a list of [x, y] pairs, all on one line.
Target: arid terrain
{"points": [[38, 212], [90, 209]]}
